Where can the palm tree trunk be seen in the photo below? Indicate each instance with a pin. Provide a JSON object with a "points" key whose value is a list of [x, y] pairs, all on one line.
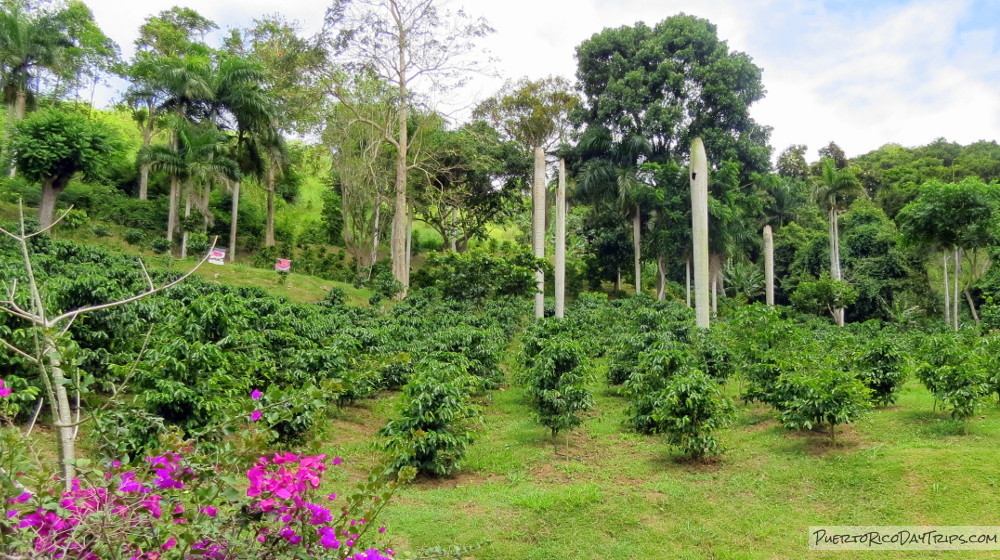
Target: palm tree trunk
{"points": [[538, 228], [699, 228], [956, 302], [560, 272], [269, 228], [187, 213], [768, 266], [947, 291], [714, 271], [661, 280], [20, 106], [687, 280], [233, 220], [618, 279], [835, 272], [143, 181], [637, 247]]}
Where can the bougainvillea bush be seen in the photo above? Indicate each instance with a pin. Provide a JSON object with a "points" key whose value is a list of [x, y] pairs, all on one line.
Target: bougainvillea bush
{"points": [[192, 505]]}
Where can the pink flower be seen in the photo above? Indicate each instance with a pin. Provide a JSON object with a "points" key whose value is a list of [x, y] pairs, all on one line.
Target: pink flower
{"points": [[4, 391], [381, 529], [336, 461], [255, 415], [171, 542], [256, 395], [209, 511]]}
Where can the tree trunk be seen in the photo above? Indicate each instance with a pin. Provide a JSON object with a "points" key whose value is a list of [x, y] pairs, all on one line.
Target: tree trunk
{"points": [[399, 222], [637, 247], [233, 222], [661, 281], [51, 187], [538, 227], [618, 279], [947, 290], [768, 266], [143, 181], [184, 230], [972, 306], [699, 230], [687, 280], [409, 235], [20, 106], [956, 302], [714, 272], [269, 228], [376, 226], [835, 272], [560, 272]]}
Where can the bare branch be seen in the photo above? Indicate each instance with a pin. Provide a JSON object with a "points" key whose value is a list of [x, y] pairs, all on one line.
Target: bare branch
{"points": [[18, 351]]}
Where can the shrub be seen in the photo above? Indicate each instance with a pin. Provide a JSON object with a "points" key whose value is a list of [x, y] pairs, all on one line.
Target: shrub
{"points": [[133, 236], [881, 367], [477, 274], [101, 231], [963, 390], [825, 397], [432, 432], [556, 384], [645, 385], [160, 245], [689, 409]]}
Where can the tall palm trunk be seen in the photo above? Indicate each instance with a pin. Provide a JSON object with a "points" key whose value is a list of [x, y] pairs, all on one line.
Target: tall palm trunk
{"points": [[835, 272], [768, 266], [947, 292], [714, 279], [699, 229], [147, 138], [269, 228], [174, 198], [955, 300], [560, 272], [538, 228], [20, 107], [661, 280], [233, 219], [687, 280], [187, 214], [637, 247]]}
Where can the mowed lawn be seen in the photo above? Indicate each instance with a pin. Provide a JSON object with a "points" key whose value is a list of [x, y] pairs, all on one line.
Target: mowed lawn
{"points": [[616, 495]]}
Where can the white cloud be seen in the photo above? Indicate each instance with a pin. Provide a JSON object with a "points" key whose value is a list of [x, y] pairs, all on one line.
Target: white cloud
{"points": [[862, 76]]}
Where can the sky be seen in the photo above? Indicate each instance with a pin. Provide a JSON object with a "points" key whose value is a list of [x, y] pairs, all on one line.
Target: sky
{"points": [[862, 73]]}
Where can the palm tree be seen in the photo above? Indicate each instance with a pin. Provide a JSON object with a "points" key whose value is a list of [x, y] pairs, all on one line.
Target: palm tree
{"points": [[613, 172], [198, 159], [834, 187]]}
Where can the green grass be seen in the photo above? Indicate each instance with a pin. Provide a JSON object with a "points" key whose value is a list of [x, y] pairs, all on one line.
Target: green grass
{"points": [[616, 495]]}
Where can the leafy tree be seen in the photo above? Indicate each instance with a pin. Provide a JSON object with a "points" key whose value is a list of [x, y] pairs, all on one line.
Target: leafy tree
{"points": [[471, 178], [671, 83], [690, 408], [401, 42], [52, 146], [792, 162], [882, 367], [479, 274], [952, 217], [824, 295]]}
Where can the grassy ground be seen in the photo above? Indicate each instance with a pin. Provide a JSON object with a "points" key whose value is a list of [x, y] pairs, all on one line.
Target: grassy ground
{"points": [[615, 495]]}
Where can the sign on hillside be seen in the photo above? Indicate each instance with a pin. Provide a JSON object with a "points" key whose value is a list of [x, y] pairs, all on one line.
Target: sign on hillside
{"points": [[283, 265], [218, 256]]}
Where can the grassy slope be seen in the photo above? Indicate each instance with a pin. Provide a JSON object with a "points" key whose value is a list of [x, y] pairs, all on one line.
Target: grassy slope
{"points": [[626, 496]]}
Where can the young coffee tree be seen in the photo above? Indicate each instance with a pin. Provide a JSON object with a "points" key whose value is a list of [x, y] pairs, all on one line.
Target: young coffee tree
{"points": [[556, 384], [689, 409], [433, 430], [882, 368], [826, 396]]}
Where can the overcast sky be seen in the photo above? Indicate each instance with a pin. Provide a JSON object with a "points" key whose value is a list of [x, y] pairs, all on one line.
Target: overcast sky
{"points": [[862, 73]]}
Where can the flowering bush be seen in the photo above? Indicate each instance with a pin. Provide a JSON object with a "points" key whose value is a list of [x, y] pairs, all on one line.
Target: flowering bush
{"points": [[186, 505]]}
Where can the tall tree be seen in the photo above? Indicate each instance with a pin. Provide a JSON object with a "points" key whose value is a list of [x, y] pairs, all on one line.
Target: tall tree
{"points": [[834, 190], [671, 83], [533, 113], [172, 34], [402, 42], [53, 146], [792, 162]]}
